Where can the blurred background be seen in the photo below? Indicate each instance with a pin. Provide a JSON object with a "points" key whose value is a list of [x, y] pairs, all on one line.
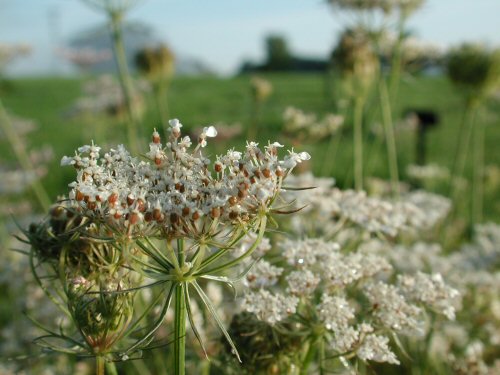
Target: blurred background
{"points": [[387, 97], [222, 36]]}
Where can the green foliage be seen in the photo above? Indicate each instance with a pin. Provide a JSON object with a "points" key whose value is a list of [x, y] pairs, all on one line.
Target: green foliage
{"points": [[278, 55], [475, 69], [207, 100]]}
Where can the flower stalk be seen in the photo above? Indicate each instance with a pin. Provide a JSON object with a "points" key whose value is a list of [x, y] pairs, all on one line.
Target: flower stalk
{"points": [[100, 365], [180, 329], [464, 140], [358, 143], [477, 183], [390, 139], [115, 23], [23, 157]]}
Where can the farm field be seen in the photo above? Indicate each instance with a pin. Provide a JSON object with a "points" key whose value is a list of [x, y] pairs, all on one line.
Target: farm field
{"points": [[210, 100]]}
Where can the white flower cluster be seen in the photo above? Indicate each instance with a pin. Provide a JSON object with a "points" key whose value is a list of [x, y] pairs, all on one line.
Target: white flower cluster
{"points": [[263, 275], [85, 57], [414, 211], [177, 190], [321, 270], [391, 309], [261, 88], [262, 248], [268, 307], [429, 209], [302, 282], [104, 95], [427, 172], [472, 273], [376, 348], [431, 291], [307, 125], [335, 312], [10, 52], [335, 268]]}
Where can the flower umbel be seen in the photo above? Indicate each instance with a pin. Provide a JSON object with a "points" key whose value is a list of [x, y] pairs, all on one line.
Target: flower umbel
{"points": [[177, 215]]}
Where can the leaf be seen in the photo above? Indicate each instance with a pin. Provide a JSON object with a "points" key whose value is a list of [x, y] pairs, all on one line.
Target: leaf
{"points": [[216, 317], [156, 256], [42, 341], [190, 318], [40, 284], [400, 345], [281, 212], [158, 323], [290, 188]]}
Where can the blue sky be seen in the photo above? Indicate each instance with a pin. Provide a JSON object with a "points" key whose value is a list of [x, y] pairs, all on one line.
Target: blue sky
{"points": [[223, 32]]}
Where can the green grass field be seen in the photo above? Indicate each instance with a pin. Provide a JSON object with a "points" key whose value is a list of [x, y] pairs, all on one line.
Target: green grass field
{"points": [[206, 100]]}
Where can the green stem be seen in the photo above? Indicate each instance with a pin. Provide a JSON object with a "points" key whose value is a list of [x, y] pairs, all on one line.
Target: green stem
{"points": [[253, 129], [321, 364], [396, 63], [180, 330], [100, 365], [22, 157], [464, 141], [390, 139], [124, 76], [180, 316], [309, 357], [358, 143], [235, 261], [477, 187], [330, 154], [160, 93], [111, 368]]}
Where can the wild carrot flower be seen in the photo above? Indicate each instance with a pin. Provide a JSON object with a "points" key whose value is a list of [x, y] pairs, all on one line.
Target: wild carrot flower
{"points": [[176, 193]]}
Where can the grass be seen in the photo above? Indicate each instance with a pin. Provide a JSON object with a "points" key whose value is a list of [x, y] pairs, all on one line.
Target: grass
{"points": [[205, 100]]}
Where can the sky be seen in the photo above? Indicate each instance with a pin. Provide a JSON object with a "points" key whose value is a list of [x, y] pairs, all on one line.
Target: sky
{"points": [[222, 33]]}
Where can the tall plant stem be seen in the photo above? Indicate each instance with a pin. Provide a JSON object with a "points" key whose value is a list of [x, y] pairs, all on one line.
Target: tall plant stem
{"points": [[309, 357], [358, 143], [330, 154], [396, 62], [464, 140], [477, 182], [111, 368], [124, 77], [160, 93], [390, 139], [321, 355], [100, 365], [22, 157], [180, 330], [180, 318], [253, 129]]}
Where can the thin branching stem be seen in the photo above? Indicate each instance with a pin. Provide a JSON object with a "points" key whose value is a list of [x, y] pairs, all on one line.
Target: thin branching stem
{"points": [[477, 183], [22, 157], [180, 330], [358, 143], [124, 77], [390, 139], [463, 147]]}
